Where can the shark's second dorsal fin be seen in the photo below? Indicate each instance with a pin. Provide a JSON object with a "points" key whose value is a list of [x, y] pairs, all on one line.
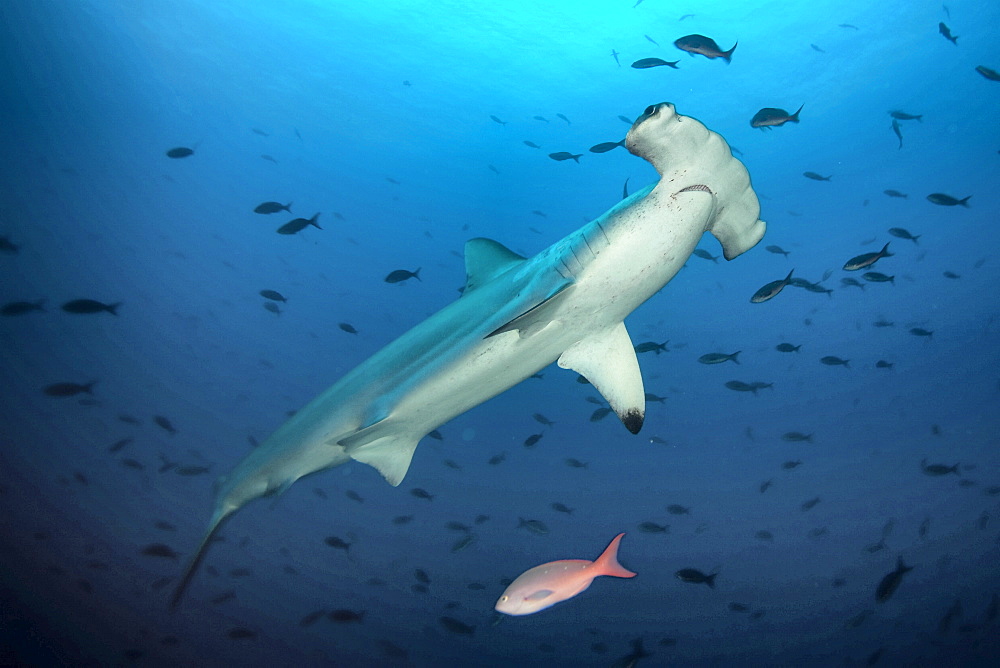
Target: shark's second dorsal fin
{"points": [[486, 259], [383, 447], [607, 359]]}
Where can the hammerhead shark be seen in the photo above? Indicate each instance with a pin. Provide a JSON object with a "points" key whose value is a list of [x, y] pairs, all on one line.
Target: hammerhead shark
{"points": [[517, 315]]}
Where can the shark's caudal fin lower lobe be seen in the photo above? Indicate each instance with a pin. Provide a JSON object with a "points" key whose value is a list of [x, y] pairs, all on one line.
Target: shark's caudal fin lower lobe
{"points": [[196, 560]]}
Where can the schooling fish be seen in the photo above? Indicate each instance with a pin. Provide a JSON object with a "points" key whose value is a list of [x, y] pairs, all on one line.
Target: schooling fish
{"points": [[69, 389], [773, 117], [899, 133], [891, 581], [946, 33], [705, 46], [299, 224], [895, 193], [180, 152], [20, 308], [272, 207], [947, 200], [93, 306], [992, 75], [564, 155], [816, 177], [273, 295], [544, 586], [400, 275], [646, 63], [866, 259], [903, 116], [614, 54], [771, 290], [604, 147]]}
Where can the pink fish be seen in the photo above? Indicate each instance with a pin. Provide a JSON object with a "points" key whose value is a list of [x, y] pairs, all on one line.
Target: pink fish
{"points": [[546, 585]]}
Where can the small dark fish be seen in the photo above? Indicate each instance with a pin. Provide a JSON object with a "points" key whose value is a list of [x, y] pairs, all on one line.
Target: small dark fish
{"points": [[118, 445], [421, 576], [946, 33], [816, 48], [876, 277], [992, 75], [128, 419], [575, 463], [92, 306], [739, 607], [646, 63], [902, 233], [833, 360], [787, 348], [241, 633], [298, 224], [764, 535], [400, 520], [69, 389], [811, 503], [771, 290], [561, 508], [789, 465], [6, 246], [777, 250], [541, 118], [705, 255], [920, 331], [653, 527], [393, 181], [272, 207], [947, 200], [311, 618], [354, 496], [650, 38], [882, 364], [891, 581], [458, 526], [272, 307], [530, 144], [463, 543], [497, 120], [764, 486], [866, 259], [541, 419], [796, 437], [497, 459], [604, 147], [771, 117], [614, 54], [164, 424], [625, 120], [847, 25], [564, 155], [649, 396], [273, 295], [563, 117], [20, 308], [694, 576], [676, 509], [493, 169], [938, 469], [652, 347], [400, 275], [534, 526], [192, 470], [600, 413], [816, 177], [704, 46], [896, 193], [454, 626], [132, 464], [899, 133], [338, 543], [421, 493], [852, 282], [719, 358], [180, 152], [532, 440], [159, 550], [347, 327]]}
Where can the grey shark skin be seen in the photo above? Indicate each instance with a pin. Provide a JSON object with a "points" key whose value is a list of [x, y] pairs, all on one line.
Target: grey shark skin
{"points": [[515, 317]]}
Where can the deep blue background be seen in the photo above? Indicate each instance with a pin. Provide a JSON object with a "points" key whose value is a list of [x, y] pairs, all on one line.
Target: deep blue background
{"points": [[353, 94]]}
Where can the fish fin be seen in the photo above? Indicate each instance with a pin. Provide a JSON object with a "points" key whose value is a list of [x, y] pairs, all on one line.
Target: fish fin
{"points": [[528, 322], [389, 453], [794, 117], [486, 259], [199, 554], [710, 580], [607, 563], [727, 55], [607, 359]]}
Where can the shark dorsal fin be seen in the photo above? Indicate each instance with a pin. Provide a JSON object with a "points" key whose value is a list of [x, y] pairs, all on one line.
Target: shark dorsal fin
{"points": [[607, 359], [382, 446], [486, 259]]}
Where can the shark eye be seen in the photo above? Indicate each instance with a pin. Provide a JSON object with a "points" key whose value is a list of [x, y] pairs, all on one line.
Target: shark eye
{"points": [[505, 598], [650, 109]]}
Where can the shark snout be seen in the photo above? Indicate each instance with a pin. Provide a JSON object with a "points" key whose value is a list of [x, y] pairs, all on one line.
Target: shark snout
{"points": [[653, 110]]}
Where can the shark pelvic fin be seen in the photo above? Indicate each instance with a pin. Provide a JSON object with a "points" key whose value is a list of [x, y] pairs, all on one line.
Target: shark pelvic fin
{"points": [[529, 322], [381, 446], [486, 259], [607, 359]]}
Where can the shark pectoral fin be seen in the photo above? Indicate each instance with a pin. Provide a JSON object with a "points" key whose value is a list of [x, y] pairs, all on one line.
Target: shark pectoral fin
{"points": [[486, 259], [537, 316], [608, 361], [389, 453]]}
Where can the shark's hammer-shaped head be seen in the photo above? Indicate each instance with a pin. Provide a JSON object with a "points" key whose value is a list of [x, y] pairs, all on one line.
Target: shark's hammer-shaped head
{"points": [[690, 157]]}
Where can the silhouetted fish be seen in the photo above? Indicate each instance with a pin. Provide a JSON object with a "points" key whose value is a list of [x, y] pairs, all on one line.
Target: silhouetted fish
{"points": [[272, 207], [180, 152], [773, 117], [299, 224], [704, 46], [560, 156], [69, 389], [20, 308], [400, 275], [93, 306], [646, 63]]}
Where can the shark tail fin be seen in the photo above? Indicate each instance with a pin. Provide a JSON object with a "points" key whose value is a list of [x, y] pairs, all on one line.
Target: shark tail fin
{"points": [[199, 555]]}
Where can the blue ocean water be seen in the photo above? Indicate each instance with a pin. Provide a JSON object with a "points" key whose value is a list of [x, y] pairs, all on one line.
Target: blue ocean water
{"points": [[381, 118]]}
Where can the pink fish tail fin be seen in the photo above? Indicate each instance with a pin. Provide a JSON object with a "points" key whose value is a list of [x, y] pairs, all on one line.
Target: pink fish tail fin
{"points": [[607, 563]]}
